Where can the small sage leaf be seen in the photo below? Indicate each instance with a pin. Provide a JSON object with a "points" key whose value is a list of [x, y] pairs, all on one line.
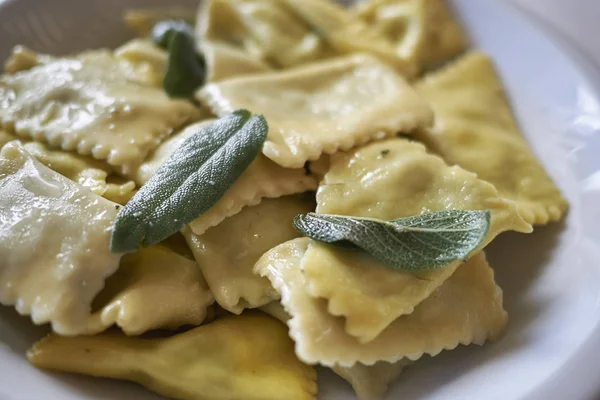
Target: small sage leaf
{"points": [[186, 68], [191, 181], [416, 243]]}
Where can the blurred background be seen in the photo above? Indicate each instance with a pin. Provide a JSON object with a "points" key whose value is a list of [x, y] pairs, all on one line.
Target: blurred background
{"points": [[578, 21]]}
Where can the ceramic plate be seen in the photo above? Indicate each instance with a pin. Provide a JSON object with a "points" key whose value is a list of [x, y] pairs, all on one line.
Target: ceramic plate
{"points": [[551, 279]]}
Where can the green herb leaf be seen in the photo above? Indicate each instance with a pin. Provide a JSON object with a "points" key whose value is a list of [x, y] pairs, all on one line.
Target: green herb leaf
{"points": [[191, 181], [186, 69], [416, 243], [163, 31]]}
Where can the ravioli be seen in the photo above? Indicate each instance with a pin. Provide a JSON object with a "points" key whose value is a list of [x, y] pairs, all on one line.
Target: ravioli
{"points": [[227, 252], [346, 33], [86, 171], [141, 21], [262, 179], [264, 30], [475, 129], [225, 42], [147, 61], [153, 288], [22, 58], [466, 309], [323, 107], [54, 243], [388, 180], [370, 382], [93, 105], [196, 364], [421, 30]]}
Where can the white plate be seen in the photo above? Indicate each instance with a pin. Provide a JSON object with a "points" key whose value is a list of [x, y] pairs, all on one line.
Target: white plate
{"points": [[551, 279]]}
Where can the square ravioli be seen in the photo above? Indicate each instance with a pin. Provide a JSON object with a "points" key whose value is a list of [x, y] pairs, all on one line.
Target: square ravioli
{"points": [[54, 243], [323, 107], [475, 129], [91, 104], [421, 30], [227, 264], [391, 179], [466, 309]]}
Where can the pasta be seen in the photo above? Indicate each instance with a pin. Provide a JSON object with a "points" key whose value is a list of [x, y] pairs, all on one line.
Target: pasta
{"points": [[403, 180], [421, 30], [86, 171], [466, 309], [368, 381], [313, 110], [476, 130], [54, 248], [90, 105], [153, 288], [195, 364], [228, 266], [356, 159]]}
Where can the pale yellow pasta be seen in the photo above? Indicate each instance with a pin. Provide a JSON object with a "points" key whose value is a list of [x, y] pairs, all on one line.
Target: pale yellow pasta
{"points": [[54, 243], [289, 33], [247, 357], [346, 33], [388, 180], [141, 21], [262, 179], [147, 61], [93, 105], [22, 58], [223, 39], [475, 129], [370, 382], [153, 288], [424, 31], [466, 309], [323, 107], [90, 173], [227, 252]]}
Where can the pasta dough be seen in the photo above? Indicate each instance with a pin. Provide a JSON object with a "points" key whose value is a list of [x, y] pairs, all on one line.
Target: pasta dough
{"points": [[388, 180], [262, 179], [147, 61], [421, 30], [86, 171], [347, 34], [466, 309], [323, 107], [90, 104], [224, 41], [227, 252], [54, 243], [246, 357], [154, 288], [476, 130], [370, 382], [283, 34]]}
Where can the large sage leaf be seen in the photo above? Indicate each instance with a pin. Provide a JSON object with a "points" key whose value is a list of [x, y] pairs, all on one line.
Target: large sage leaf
{"points": [[186, 68], [416, 243], [195, 176]]}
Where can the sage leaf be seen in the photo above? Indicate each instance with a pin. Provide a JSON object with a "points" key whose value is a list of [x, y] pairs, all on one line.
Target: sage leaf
{"points": [[191, 181], [186, 68], [425, 241], [163, 31]]}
